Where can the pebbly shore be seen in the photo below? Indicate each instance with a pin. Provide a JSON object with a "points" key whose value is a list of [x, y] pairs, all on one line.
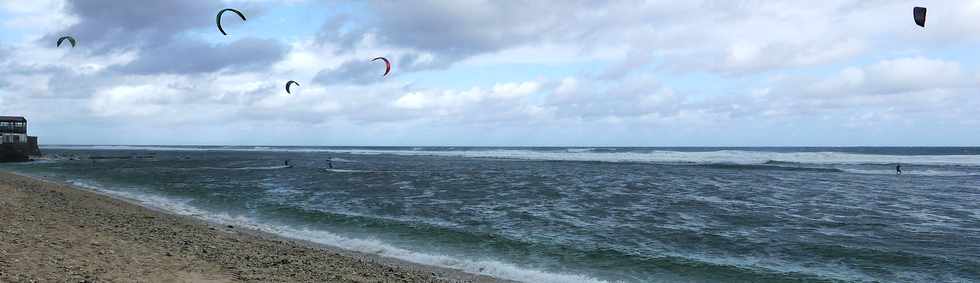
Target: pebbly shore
{"points": [[52, 232]]}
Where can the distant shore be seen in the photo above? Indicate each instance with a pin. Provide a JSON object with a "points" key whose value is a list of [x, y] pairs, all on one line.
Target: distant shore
{"points": [[55, 232]]}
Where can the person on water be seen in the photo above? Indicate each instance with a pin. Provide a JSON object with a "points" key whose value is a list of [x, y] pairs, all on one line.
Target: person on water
{"points": [[330, 162], [898, 169], [286, 163]]}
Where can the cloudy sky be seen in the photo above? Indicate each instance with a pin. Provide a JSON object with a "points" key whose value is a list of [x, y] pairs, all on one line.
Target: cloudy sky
{"points": [[485, 73]]}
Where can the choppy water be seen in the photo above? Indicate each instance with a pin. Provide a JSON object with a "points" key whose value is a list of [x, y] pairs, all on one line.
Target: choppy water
{"points": [[581, 214]]}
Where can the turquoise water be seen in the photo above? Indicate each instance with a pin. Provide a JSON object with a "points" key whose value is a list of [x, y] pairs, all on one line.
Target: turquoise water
{"points": [[580, 214]]}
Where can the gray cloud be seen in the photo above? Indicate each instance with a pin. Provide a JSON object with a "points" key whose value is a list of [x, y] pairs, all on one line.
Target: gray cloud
{"points": [[444, 31], [354, 72], [453, 30], [362, 72], [458, 29], [341, 31], [66, 84], [714, 35], [107, 25], [192, 57], [153, 27]]}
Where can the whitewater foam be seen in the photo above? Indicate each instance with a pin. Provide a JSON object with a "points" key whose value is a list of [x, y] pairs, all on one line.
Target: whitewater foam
{"points": [[682, 157], [346, 171], [253, 168], [745, 157], [277, 167], [927, 172], [371, 246]]}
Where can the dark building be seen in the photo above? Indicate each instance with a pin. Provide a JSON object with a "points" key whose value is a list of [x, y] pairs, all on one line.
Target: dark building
{"points": [[15, 144]]}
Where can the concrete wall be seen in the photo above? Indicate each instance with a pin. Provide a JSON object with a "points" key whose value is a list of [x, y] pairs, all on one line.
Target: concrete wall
{"points": [[19, 151], [32, 146]]}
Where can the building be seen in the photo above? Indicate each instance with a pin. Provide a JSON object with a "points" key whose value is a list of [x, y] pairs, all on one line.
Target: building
{"points": [[15, 144]]}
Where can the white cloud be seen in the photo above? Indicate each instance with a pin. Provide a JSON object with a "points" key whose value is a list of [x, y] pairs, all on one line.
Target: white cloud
{"points": [[36, 16], [501, 98], [892, 76], [136, 101], [910, 74]]}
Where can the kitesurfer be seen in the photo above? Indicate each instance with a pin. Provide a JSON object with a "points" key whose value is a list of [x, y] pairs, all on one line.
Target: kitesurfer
{"points": [[898, 169], [330, 162]]}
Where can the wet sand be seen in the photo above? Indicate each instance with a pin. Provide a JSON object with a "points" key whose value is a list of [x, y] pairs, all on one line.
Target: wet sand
{"points": [[53, 232]]}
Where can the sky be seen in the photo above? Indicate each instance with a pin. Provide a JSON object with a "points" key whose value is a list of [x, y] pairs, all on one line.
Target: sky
{"points": [[494, 73]]}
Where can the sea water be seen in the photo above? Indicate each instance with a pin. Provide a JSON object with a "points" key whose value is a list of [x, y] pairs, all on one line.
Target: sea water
{"points": [[578, 214]]}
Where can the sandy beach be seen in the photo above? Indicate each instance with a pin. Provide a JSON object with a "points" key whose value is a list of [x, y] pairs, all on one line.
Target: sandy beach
{"points": [[52, 232]]}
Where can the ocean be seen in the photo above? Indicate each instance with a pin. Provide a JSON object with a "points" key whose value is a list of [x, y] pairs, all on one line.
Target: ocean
{"points": [[557, 214]]}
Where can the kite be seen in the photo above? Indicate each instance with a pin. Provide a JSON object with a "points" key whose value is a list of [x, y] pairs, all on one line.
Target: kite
{"points": [[290, 83], [919, 14], [387, 64], [218, 19], [70, 39]]}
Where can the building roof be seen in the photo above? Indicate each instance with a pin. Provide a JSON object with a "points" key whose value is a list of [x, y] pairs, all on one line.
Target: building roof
{"points": [[12, 119]]}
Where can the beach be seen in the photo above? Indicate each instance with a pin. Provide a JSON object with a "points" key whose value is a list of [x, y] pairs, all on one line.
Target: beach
{"points": [[51, 232]]}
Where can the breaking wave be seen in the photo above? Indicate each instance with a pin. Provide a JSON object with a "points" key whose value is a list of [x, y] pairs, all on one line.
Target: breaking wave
{"points": [[727, 156], [492, 268]]}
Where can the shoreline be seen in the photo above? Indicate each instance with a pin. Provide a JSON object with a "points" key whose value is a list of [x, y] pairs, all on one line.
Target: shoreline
{"points": [[56, 231]]}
